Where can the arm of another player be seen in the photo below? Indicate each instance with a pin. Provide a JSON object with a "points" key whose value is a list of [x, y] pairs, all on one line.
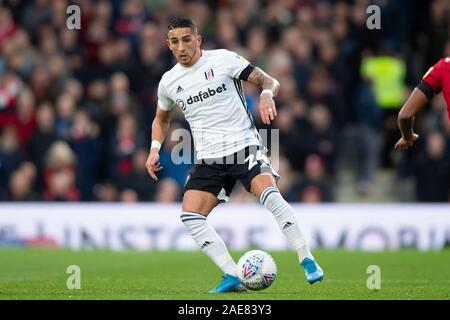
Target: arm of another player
{"points": [[160, 126], [429, 86], [415, 102], [270, 87]]}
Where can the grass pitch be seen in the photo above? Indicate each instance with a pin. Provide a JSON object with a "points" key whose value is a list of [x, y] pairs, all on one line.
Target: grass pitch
{"points": [[105, 275]]}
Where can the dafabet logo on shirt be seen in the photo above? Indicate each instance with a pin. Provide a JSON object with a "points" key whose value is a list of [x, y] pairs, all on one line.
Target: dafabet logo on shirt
{"points": [[207, 94]]}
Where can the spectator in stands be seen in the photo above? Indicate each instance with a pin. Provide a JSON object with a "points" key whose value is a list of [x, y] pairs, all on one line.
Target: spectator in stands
{"points": [[96, 102], [123, 144], [42, 139], [21, 184], [85, 142], [314, 186], [137, 180], [11, 156], [323, 136], [132, 17], [128, 196], [365, 138], [10, 85], [106, 192], [40, 83], [432, 170], [59, 174], [293, 148], [65, 110], [386, 74], [290, 177], [121, 101], [7, 26], [168, 190], [23, 118], [75, 89]]}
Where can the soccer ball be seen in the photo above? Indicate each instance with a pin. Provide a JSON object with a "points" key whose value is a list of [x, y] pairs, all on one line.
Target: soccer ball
{"points": [[257, 270]]}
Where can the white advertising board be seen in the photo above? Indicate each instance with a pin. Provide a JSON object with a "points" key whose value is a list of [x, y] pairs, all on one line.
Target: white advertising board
{"points": [[154, 226]]}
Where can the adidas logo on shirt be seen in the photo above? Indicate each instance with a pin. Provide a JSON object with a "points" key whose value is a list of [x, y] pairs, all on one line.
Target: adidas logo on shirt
{"points": [[179, 89]]}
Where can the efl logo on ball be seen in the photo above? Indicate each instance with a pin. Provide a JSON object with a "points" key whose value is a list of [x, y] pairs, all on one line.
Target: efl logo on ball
{"points": [[257, 270]]}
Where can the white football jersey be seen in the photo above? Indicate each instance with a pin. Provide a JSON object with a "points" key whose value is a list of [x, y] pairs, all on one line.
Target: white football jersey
{"points": [[211, 96]]}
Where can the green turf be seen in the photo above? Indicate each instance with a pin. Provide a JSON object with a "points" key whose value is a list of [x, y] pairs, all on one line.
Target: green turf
{"points": [[41, 274]]}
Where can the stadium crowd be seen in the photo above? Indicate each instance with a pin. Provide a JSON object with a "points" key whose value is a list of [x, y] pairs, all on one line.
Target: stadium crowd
{"points": [[76, 106]]}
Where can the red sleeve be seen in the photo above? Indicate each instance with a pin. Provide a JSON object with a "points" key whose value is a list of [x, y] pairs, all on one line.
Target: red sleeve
{"points": [[433, 76]]}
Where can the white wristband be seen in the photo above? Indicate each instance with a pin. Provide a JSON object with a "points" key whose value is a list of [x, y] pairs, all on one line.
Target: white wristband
{"points": [[156, 144], [267, 91]]}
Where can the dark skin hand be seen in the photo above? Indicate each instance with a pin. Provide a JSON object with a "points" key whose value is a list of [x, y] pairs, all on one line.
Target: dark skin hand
{"points": [[416, 101]]}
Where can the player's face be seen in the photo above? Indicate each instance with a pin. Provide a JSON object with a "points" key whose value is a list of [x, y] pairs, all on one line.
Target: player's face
{"points": [[185, 45]]}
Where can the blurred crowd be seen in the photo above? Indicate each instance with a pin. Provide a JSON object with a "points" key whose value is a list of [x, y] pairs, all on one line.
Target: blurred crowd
{"points": [[76, 106]]}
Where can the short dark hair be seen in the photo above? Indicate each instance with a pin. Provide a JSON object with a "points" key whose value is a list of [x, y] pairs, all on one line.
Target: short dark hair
{"points": [[182, 22]]}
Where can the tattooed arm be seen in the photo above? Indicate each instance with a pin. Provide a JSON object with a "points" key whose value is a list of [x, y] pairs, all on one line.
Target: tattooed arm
{"points": [[270, 87], [264, 81]]}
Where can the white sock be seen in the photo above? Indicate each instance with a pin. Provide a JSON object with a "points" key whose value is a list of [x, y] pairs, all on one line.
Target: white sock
{"points": [[284, 214], [209, 241]]}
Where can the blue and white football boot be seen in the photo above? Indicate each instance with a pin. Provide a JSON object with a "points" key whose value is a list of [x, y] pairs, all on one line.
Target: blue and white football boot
{"points": [[229, 284], [313, 272]]}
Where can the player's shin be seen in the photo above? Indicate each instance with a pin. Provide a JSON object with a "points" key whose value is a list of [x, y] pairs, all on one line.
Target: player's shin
{"points": [[284, 215], [209, 241]]}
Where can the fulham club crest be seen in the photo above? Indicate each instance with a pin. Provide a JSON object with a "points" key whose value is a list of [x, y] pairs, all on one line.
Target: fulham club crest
{"points": [[209, 74]]}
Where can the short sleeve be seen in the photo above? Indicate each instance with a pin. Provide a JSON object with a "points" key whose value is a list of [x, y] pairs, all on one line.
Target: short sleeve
{"points": [[432, 77], [164, 101], [235, 63]]}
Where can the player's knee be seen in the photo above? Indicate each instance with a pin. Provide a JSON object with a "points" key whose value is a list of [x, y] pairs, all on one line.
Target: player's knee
{"points": [[200, 202], [261, 182]]}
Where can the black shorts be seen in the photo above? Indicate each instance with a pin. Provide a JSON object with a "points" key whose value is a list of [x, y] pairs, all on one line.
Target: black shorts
{"points": [[218, 176]]}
